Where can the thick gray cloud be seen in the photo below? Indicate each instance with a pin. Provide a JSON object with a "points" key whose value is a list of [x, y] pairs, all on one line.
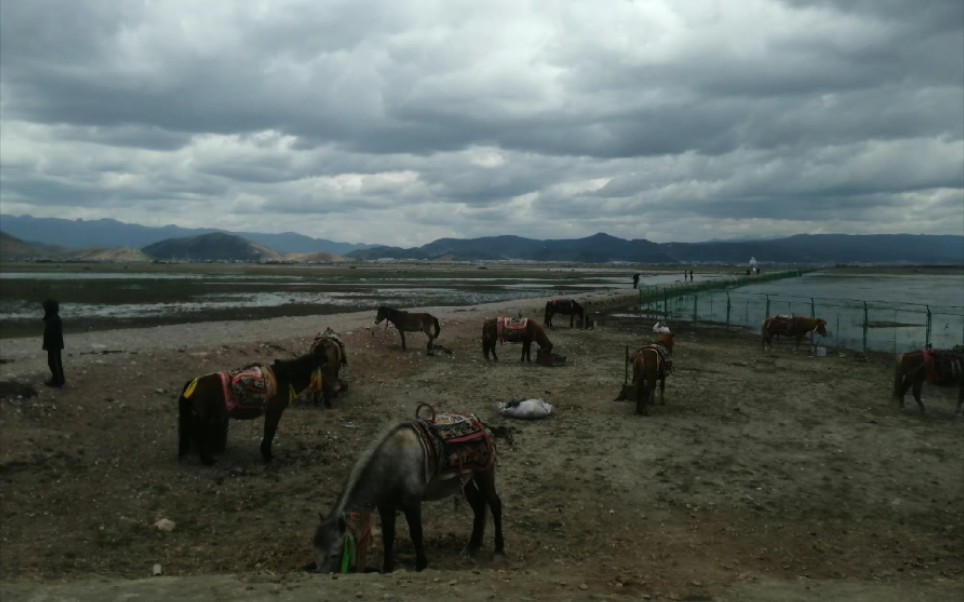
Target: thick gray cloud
{"points": [[402, 121]]}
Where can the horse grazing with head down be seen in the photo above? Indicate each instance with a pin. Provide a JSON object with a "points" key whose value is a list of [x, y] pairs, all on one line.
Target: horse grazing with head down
{"points": [[207, 402], [651, 364], [514, 330], [410, 322], [796, 327], [329, 346], [566, 307], [942, 367], [426, 459]]}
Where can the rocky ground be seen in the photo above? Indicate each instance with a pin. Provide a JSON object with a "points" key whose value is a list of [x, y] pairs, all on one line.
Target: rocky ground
{"points": [[765, 476]]}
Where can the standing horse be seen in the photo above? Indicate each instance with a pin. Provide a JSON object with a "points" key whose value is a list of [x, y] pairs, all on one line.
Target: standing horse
{"points": [[409, 322], [207, 402], [651, 364], [938, 367], [514, 330], [412, 462], [566, 307], [331, 348], [792, 326]]}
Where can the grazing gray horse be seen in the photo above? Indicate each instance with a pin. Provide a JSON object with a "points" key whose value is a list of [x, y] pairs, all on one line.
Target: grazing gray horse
{"points": [[411, 462]]}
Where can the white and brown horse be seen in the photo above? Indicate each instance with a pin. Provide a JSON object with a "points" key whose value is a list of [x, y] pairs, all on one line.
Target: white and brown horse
{"points": [[795, 327]]}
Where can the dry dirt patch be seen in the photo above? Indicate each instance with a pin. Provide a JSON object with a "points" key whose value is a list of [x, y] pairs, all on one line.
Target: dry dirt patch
{"points": [[762, 471]]}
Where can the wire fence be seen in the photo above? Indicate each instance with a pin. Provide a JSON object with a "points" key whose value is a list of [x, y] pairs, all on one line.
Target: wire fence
{"points": [[852, 324]]}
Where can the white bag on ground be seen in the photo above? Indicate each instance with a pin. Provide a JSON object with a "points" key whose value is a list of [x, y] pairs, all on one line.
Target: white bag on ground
{"points": [[526, 408]]}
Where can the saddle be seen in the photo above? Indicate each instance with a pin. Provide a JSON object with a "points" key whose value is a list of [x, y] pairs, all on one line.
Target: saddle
{"points": [[248, 388], [943, 366], [510, 329], [455, 444], [780, 324], [665, 356], [330, 335]]}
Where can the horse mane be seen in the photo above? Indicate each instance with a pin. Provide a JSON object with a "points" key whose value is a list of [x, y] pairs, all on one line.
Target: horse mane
{"points": [[362, 464]]}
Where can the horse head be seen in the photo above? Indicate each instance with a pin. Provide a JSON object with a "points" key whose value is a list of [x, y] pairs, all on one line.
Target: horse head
{"points": [[821, 327], [381, 314], [329, 542]]}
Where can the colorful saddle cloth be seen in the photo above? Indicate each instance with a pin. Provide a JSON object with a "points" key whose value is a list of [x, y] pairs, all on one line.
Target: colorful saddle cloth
{"points": [[455, 445], [248, 388], [510, 330], [943, 366]]}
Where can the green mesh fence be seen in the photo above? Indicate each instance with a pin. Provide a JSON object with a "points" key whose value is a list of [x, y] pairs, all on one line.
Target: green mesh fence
{"points": [[852, 324]]}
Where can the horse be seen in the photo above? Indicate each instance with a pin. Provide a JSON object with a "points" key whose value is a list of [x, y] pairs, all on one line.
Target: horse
{"points": [[514, 330], [331, 348], [411, 462], [410, 322], [651, 363], [791, 326], [566, 307], [939, 367], [207, 402]]}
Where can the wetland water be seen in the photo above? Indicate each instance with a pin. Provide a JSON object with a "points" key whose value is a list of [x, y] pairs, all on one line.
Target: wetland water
{"points": [[99, 296]]}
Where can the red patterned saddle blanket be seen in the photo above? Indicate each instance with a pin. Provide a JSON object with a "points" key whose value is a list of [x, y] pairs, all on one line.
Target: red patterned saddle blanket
{"points": [[510, 330], [943, 366], [455, 444], [248, 388]]}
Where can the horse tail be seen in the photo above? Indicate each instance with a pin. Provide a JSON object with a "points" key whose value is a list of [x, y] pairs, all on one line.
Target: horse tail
{"points": [[185, 421], [898, 375], [438, 327]]}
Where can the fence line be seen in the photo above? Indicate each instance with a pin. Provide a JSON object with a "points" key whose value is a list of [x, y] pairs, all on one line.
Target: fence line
{"points": [[853, 323]]}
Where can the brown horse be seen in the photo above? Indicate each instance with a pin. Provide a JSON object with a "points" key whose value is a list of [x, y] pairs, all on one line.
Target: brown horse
{"points": [[332, 350], [410, 322], [514, 330], [651, 363], [566, 307], [791, 326], [207, 402], [938, 367]]}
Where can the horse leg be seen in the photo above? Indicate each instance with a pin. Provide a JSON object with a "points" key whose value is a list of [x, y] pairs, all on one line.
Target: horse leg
{"points": [[204, 432], [271, 418], [402, 334], [428, 349], [903, 384], [387, 516], [572, 318], [487, 487], [413, 516], [476, 500], [220, 437], [185, 425], [642, 397], [918, 385], [662, 391]]}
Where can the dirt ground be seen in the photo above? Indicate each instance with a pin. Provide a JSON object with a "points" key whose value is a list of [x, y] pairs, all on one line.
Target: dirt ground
{"points": [[765, 476]]}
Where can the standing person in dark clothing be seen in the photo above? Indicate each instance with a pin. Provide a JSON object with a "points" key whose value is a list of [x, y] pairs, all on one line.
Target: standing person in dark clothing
{"points": [[636, 280], [54, 342]]}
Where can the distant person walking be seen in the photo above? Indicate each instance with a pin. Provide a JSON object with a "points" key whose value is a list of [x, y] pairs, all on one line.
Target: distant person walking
{"points": [[636, 280], [54, 342]]}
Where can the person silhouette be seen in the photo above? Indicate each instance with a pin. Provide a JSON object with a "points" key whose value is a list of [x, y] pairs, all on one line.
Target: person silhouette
{"points": [[54, 342]]}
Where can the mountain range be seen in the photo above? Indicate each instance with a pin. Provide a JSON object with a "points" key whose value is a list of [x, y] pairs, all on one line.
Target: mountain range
{"points": [[49, 238]]}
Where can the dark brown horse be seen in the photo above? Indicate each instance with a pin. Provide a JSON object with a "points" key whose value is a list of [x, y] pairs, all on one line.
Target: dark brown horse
{"points": [[514, 330], [566, 307], [796, 327], [332, 351], [651, 364], [207, 402], [938, 367], [410, 322]]}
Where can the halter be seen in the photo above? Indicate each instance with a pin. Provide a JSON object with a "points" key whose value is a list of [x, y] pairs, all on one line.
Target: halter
{"points": [[349, 554]]}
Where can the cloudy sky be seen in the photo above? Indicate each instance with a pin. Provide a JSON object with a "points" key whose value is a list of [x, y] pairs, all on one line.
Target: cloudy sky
{"points": [[403, 121]]}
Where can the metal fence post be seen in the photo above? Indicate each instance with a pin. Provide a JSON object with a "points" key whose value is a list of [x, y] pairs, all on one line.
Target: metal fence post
{"points": [[727, 308], [696, 297], [927, 333], [768, 308]]}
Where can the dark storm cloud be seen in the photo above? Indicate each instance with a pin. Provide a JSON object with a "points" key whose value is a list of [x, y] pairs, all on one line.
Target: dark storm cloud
{"points": [[334, 113]]}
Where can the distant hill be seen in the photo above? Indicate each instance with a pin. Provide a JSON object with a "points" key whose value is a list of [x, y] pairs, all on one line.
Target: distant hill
{"points": [[216, 246], [601, 248], [109, 233]]}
